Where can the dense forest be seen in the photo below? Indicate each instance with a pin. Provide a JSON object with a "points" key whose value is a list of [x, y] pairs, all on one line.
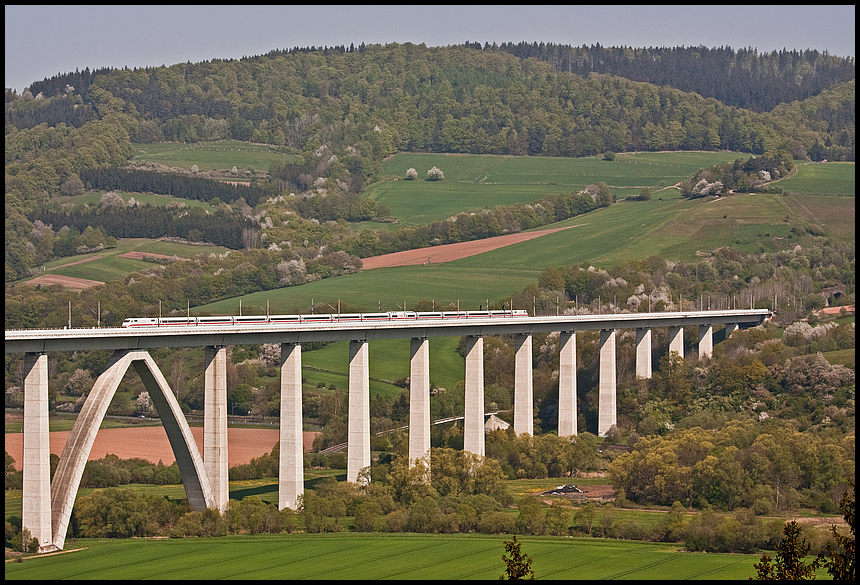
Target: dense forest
{"points": [[744, 77]]}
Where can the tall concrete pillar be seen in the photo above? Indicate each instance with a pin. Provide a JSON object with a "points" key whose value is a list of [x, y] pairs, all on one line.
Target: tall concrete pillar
{"points": [[676, 340], [523, 389], [731, 328], [606, 384], [291, 477], [643, 353], [215, 423], [473, 427], [706, 341], [419, 399], [358, 450], [36, 492], [567, 384]]}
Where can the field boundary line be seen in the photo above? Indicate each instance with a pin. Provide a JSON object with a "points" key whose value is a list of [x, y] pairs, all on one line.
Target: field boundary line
{"points": [[59, 552]]}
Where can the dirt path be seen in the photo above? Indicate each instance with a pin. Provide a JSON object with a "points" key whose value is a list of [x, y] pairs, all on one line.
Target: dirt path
{"points": [[449, 252]]}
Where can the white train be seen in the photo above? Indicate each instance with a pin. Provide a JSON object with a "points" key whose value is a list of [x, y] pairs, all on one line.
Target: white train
{"points": [[320, 318]]}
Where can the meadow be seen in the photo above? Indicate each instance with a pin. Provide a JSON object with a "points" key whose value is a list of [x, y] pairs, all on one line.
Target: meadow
{"points": [[93, 198], [375, 556], [209, 156], [475, 182], [107, 265], [821, 179]]}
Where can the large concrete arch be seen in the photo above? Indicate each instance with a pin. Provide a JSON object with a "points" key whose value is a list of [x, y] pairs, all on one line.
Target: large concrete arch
{"points": [[67, 478]]}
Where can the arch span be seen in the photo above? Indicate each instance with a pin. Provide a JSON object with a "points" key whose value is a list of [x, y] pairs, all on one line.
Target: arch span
{"points": [[67, 478]]}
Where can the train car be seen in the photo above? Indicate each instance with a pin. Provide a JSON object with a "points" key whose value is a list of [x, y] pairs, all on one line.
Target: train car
{"points": [[284, 319], [227, 320], [140, 322], [402, 315]]}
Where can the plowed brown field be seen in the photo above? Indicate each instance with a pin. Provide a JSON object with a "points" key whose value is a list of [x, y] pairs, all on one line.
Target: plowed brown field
{"points": [[151, 443], [449, 252]]}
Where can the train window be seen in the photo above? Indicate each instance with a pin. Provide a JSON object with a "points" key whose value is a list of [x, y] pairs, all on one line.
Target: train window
{"points": [[177, 321], [403, 314]]}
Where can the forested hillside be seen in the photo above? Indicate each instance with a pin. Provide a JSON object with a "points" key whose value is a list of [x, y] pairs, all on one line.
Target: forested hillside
{"points": [[335, 113], [744, 77]]}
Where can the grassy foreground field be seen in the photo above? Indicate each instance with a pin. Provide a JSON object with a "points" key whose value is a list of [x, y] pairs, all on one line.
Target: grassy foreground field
{"points": [[375, 556]]}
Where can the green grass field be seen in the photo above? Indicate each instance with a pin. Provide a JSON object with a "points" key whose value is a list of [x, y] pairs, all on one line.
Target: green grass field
{"points": [[93, 198], [374, 556], [389, 360], [209, 156], [821, 179], [475, 182], [107, 265]]}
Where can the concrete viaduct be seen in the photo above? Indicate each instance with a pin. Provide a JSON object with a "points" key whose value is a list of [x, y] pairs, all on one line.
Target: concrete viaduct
{"points": [[47, 505]]}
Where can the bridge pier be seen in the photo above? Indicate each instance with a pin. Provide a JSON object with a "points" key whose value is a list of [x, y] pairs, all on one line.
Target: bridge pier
{"points": [[606, 384], [643, 353], [419, 399], [706, 341], [567, 384], [291, 478], [215, 423], [36, 489], [473, 423], [730, 328], [676, 340], [358, 450], [523, 389]]}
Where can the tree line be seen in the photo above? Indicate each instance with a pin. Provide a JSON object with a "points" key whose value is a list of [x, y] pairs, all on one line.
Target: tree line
{"points": [[723, 73], [184, 187], [153, 221]]}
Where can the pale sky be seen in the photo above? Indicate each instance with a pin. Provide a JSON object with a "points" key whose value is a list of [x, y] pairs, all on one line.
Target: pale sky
{"points": [[42, 41]]}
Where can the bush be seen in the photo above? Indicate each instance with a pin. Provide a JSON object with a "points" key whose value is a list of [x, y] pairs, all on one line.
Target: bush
{"points": [[435, 174], [366, 515], [497, 523]]}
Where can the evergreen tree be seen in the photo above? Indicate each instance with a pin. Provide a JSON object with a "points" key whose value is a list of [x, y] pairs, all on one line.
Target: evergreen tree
{"points": [[519, 565], [789, 563]]}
